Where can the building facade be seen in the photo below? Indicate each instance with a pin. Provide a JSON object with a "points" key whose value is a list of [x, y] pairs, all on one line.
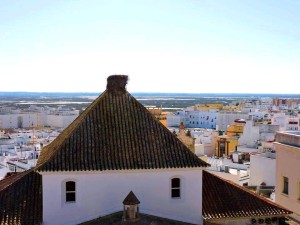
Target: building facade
{"points": [[287, 170]]}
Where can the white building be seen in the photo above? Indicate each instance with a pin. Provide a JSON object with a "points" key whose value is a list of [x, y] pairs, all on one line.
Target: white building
{"points": [[279, 119], [202, 119], [194, 119], [286, 122], [205, 141], [174, 120], [60, 120], [225, 118], [18, 120], [36, 117], [256, 134], [262, 169]]}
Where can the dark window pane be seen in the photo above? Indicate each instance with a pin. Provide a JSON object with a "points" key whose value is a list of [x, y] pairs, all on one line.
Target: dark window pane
{"points": [[285, 185], [175, 193], [70, 197], [70, 186], [175, 183]]}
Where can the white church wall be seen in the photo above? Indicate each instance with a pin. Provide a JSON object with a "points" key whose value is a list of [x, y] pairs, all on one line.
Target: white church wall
{"points": [[102, 193]]}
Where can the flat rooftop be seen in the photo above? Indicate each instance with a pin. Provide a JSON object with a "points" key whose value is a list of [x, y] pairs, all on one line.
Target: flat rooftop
{"points": [[289, 138]]}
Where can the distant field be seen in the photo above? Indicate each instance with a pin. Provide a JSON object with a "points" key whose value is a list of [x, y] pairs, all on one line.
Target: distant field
{"points": [[168, 101]]}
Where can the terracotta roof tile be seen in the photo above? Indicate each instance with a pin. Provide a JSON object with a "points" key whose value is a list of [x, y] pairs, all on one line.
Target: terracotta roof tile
{"points": [[225, 199], [21, 199], [116, 132]]}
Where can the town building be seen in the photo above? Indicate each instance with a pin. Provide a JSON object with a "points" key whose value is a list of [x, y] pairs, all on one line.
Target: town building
{"points": [[256, 134], [225, 118], [18, 119], [205, 141], [236, 128], [226, 145], [209, 106], [262, 169], [286, 122], [287, 171], [35, 117], [194, 119]]}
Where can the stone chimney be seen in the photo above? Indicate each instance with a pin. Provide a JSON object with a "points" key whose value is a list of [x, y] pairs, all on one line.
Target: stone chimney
{"points": [[116, 84]]}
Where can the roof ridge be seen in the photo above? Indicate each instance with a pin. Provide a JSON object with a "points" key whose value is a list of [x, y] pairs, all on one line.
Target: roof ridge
{"points": [[167, 130]]}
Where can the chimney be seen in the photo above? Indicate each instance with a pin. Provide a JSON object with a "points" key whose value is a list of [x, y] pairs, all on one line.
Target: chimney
{"points": [[116, 84]]}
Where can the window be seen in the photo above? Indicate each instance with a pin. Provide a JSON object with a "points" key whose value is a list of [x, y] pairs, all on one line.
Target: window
{"points": [[299, 191], [70, 191], [285, 185], [175, 188]]}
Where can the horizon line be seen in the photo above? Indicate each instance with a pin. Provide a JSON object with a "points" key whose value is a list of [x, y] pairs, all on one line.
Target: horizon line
{"points": [[210, 93]]}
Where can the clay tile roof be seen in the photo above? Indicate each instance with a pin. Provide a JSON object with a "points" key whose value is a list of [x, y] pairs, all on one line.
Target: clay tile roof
{"points": [[116, 132], [131, 199], [21, 199], [225, 199]]}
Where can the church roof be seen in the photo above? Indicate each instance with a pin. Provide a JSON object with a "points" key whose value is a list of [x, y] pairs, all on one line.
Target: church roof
{"points": [[131, 199], [144, 219], [21, 199], [224, 199], [116, 132]]}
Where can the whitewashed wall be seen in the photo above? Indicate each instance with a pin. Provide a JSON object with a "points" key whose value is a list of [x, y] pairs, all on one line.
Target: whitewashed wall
{"points": [[11, 120], [102, 193], [174, 120], [250, 135], [262, 169], [60, 120], [227, 118], [54, 121]]}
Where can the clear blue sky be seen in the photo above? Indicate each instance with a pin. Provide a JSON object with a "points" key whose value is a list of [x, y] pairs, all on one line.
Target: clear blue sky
{"points": [[190, 46]]}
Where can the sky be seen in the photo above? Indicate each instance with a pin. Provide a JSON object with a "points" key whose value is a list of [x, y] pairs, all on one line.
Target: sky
{"points": [[179, 46]]}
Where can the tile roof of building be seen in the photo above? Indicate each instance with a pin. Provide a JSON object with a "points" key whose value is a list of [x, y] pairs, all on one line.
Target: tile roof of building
{"points": [[131, 199], [224, 199], [116, 132], [21, 199], [144, 219]]}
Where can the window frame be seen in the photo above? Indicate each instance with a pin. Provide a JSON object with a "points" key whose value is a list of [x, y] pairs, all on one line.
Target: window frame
{"points": [[299, 191], [66, 192], [174, 188], [285, 185]]}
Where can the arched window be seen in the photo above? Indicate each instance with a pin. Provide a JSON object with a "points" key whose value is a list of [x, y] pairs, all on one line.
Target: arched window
{"points": [[70, 191], [175, 188]]}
